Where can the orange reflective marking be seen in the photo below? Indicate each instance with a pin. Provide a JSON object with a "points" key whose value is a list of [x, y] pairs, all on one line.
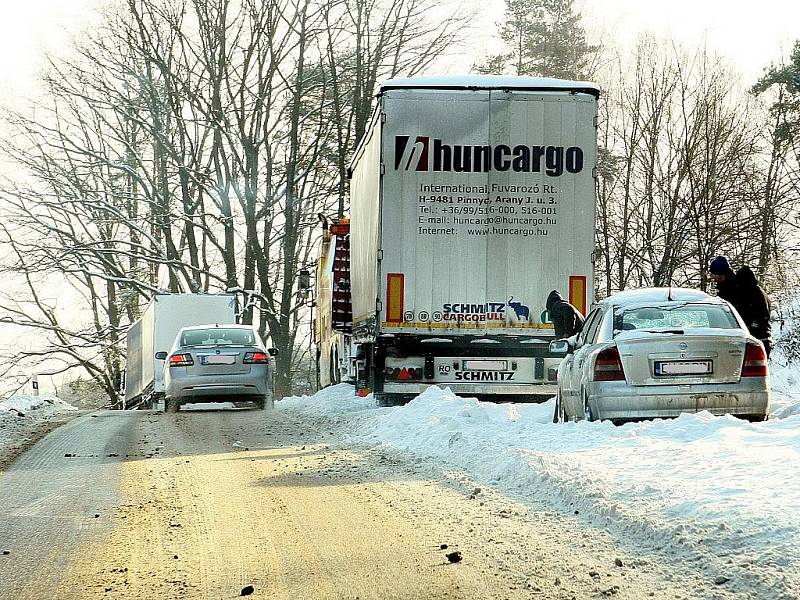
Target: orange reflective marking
{"points": [[577, 292], [395, 289]]}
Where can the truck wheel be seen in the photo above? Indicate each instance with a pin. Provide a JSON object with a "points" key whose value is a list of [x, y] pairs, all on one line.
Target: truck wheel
{"points": [[171, 405], [332, 369], [383, 399], [337, 374]]}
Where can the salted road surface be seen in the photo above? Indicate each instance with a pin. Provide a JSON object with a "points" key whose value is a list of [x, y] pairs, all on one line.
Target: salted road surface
{"points": [[216, 503]]}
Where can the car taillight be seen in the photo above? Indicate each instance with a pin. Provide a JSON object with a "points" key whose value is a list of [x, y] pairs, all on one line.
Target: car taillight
{"points": [[608, 366], [255, 358], [755, 361], [181, 360]]}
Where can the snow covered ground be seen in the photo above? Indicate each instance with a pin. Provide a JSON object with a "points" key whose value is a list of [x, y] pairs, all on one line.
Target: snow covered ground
{"points": [[23, 416], [716, 492]]}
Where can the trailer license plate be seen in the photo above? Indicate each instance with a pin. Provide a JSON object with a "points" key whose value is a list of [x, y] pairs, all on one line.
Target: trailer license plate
{"points": [[214, 359], [485, 365], [684, 367]]}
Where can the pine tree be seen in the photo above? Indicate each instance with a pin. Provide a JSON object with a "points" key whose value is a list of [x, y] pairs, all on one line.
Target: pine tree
{"points": [[784, 83], [543, 38]]}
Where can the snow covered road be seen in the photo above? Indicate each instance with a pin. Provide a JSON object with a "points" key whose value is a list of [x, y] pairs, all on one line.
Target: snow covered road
{"points": [[697, 507], [716, 493], [205, 503]]}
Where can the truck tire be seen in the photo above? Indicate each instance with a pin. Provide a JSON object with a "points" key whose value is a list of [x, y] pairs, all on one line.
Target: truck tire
{"points": [[384, 399], [171, 405], [337, 374], [332, 368]]}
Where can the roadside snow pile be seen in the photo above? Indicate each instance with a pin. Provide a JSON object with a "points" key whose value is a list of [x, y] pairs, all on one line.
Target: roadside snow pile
{"points": [[340, 398], [22, 405], [708, 486], [785, 382], [785, 399], [22, 416]]}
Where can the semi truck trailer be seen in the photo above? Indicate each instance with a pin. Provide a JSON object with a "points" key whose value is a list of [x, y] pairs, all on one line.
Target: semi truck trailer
{"points": [[471, 199]]}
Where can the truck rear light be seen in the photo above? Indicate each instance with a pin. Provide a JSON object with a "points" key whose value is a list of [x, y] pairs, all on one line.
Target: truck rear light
{"points": [[181, 360], [608, 366], [755, 361], [403, 374], [255, 358]]}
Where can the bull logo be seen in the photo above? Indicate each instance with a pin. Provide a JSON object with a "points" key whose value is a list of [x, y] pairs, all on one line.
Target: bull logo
{"points": [[521, 311]]}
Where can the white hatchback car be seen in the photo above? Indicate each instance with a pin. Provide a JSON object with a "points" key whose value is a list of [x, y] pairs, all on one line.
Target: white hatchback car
{"points": [[659, 352]]}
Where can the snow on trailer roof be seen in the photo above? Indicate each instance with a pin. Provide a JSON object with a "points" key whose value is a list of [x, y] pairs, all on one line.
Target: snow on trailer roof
{"points": [[663, 294], [491, 82]]}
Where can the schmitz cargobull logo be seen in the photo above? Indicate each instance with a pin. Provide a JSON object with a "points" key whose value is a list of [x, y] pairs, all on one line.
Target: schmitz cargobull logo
{"points": [[422, 155]]}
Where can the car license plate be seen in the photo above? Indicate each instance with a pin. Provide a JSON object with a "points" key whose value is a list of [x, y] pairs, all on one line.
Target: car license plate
{"points": [[684, 367], [485, 365], [217, 359]]}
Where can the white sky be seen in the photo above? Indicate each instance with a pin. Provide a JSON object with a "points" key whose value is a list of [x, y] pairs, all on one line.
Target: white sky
{"points": [[27, 28], [750, 34]]}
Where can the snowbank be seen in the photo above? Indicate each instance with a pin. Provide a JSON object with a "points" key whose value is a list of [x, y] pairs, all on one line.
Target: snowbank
{"points": [[332, 400], [21, 417], [715, 488], [22, 405]]}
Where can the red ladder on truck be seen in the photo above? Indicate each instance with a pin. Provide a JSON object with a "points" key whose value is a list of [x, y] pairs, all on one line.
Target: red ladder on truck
{"points": [[342, 318]]}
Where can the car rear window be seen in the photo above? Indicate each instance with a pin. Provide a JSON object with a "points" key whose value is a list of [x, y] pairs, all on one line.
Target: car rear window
{"points": [[675, 316], [217, 336]]}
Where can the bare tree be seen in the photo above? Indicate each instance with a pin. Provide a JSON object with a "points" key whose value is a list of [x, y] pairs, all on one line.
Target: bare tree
{"points": [[189, 145], [680, 169]]}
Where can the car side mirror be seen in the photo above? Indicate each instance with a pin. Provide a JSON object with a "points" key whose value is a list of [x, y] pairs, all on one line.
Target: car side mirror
{"points": [[272, 351], [161, 355], [560, 347]]}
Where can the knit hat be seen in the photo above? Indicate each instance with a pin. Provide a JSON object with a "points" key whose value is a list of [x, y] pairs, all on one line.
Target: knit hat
{"points": [[720, 266]]}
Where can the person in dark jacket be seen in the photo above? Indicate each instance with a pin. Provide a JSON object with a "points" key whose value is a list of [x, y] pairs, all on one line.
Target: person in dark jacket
{"points": [[722, 273], [567, 320], [754, 306]]}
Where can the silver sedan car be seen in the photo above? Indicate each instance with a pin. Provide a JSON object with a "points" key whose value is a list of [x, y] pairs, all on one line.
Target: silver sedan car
{"points": [[659, 352], [217, 363]]}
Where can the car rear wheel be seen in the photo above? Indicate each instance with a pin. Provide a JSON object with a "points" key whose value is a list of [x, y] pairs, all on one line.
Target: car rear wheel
{"points": [[171, 405], [264, 403]]}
